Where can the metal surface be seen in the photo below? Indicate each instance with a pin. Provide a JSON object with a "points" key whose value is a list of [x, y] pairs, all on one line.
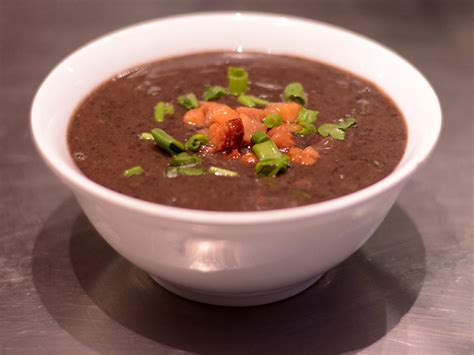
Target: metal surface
{"points": [[409, 290]]}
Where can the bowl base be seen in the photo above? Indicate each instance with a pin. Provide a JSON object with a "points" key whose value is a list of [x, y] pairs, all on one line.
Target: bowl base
{"points": [[237, 299]]}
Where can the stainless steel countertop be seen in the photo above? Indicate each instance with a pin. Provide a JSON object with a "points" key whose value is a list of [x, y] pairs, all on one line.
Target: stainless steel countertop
{"points": [[409, 290]]}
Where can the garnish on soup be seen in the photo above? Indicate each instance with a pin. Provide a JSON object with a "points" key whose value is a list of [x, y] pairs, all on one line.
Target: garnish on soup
{"points": [[272, 128]]}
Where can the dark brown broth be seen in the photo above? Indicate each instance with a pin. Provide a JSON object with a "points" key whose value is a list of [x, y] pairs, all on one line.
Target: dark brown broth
{"points": [[103, 135]]}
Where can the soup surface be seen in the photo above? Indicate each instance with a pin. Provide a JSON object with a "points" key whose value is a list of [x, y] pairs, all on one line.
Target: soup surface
{"points": [[104, 134]]}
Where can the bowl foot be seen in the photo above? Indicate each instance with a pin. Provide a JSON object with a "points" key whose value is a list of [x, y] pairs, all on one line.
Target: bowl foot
{"points": [[237, 299]]}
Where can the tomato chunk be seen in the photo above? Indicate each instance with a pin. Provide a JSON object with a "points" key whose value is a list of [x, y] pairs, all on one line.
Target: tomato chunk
{"points": [[292, 127], [253, 113], [307, 156], [250, 127], [195, 117], [215, 112], [288, 111], [282, 137], [226, 135]]}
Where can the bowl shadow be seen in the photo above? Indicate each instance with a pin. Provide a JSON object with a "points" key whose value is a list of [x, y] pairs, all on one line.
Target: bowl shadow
{"points": [[89, 289]]}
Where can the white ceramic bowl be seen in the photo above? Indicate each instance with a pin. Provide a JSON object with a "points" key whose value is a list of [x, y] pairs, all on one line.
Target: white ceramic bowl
{"points": [[233, 258]]}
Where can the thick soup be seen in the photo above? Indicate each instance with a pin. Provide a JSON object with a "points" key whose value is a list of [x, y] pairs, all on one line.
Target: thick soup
{"points": [[236, 132]]}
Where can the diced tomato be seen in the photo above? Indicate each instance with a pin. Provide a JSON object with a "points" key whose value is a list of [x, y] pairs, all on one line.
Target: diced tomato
{"points": [[217, 133], [253, 113], [216, 112], [250, 127], [307, 156], [292, 127], [210, 105], [282, 137], [288, 111], [195, 117], [226, 135], [248, 159]]}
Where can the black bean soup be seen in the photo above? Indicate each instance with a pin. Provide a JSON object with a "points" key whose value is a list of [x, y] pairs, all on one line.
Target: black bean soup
{"points": [[245, 161]]}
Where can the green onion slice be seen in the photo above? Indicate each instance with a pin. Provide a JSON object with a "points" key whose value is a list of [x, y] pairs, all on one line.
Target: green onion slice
{"points": [[251, 101], [272, 120], [246, 101], [307, 129], [222, 172], [271, 161], [176, 171], [146, 136], [184, 158], [161, 110], [166, 142], [306, 119], [195, 141], [188, 101], [336, 130], [307, 116], [272, 167], [259, 137], [295, 92], [346, 123], [136, 170], [330, 129], [266, 150], [238, 80], [214, 92]]}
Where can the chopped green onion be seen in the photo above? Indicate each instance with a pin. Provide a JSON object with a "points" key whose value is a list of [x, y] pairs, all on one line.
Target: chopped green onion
{"points": [[195, 141], [266, 150], [185, 159], [259, 137], [161, 110], [166, 142], [272, 167], [295, 92], [251, 101], [238, 80], [246, 101], [271, 160], [136, 170], [336, 130], [306, 115], [258, 100], [306, 130], [188, 101], [214, 92], [146, 136], [330, 129], [222, 172], [175, 171], [347, 123], [272, 120], [306, 119]]}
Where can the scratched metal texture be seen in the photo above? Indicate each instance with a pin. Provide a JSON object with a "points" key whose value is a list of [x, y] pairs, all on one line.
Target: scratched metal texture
{"points": [[409, 290]]}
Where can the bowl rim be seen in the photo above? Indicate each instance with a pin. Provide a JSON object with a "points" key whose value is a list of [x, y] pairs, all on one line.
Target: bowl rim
{"points": [[74, 178]]}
